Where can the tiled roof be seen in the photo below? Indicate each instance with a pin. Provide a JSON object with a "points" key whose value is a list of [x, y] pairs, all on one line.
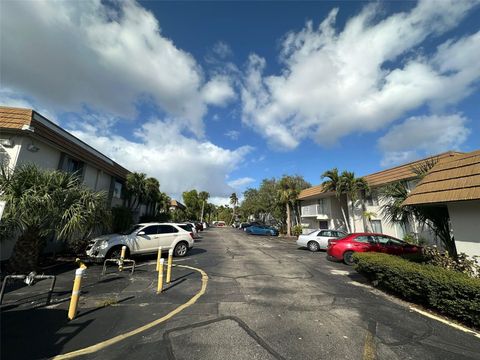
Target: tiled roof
{"points": [[14, 118], [452, 179], [401, 172], [175, 203]]}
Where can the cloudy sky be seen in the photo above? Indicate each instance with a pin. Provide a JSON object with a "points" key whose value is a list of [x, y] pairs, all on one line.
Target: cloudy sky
{"points": [[219, 95]]}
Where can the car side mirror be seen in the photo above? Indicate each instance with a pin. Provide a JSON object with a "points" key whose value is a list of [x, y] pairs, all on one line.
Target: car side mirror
{"points": [[141, 233]]}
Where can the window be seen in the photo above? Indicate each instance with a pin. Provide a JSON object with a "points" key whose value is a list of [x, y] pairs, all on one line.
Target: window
{"points": [[150, 230], [166, 229], [325, 233], [338, 233], [384, 240], [186, 227], [323, 224], [371, 199], [377, 226], [74, 166], [117, 190], [364, 239], [321, 208]]}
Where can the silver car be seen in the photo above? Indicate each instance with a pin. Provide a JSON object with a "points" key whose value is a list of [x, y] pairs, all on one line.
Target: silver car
{"points": [[142, 239], [318, 239]]}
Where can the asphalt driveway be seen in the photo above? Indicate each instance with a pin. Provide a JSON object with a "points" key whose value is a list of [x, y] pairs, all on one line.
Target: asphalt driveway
{"points": [[267, 299]]}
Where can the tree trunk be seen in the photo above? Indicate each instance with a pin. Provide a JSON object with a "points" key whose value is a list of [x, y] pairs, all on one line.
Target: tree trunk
{"points": [[289, 232], [347, 223], [26, 252], [353, 217]]}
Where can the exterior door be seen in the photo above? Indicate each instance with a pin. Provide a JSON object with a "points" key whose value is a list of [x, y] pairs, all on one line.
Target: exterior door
{"points": [[148, 241], [167, 235]]}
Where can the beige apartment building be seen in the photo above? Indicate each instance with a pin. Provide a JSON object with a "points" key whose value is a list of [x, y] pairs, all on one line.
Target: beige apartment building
{"points": [[28, 137], [321, 209]]}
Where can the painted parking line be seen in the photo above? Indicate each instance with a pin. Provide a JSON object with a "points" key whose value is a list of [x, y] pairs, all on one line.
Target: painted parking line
{"points": [[102, 345]]}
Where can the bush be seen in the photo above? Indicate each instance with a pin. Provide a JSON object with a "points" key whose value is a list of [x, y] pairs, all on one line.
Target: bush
{"points": [[122, 219], [297, 230], [449, 292]]}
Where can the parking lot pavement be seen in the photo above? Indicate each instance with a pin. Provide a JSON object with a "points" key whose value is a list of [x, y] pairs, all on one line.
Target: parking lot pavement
{"points": [[109, 305], [265, 299]]}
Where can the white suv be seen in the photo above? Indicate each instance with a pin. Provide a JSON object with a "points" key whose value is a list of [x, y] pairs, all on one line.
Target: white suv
{"points": [[143, 239]]}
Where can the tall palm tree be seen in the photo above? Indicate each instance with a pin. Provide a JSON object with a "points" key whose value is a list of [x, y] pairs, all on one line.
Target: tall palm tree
{"points": [[334, 184], [203, 196], [152, 194], [135, 188], [233, 202], [288, 194], [352, 186], [41, 204]]}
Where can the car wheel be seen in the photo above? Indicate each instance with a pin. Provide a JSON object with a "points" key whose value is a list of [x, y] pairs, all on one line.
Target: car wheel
{"points": [[313, 246], [115, 252], [348, 258], [181, 249]]}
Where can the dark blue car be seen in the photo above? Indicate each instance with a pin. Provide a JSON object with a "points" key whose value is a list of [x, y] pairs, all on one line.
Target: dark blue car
{"points": [[261, 230]]}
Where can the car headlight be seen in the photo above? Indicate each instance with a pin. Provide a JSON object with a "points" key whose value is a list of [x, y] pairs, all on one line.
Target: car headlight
{"points": [[103, 244]]}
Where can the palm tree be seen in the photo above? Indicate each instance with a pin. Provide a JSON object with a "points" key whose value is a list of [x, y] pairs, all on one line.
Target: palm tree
{"points": [[135, 188], [203, 195], [352, 186], [334, 184], [152, 194], [233, 202], [435, 217], [288, 194], [41, 204], [368, 216]]}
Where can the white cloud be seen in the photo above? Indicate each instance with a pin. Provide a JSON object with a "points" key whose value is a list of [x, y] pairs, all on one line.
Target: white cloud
{"points": [[178, 162], [218, 91], [241, 182], [67, 54], [422, 136], [361, 78], [222, 50], [232, 134]]}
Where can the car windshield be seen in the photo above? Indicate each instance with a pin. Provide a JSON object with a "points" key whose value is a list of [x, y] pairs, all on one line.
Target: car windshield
{"points": [[131, 230]]}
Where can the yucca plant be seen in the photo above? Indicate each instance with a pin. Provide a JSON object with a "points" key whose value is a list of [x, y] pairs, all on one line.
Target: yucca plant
{"points": [[41, 204]]}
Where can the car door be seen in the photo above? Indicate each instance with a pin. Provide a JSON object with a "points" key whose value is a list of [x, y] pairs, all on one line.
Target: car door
{"points": [[385, 244], [395, 246], [365, 243], [167, 235], [146, 240], [323, 236]]}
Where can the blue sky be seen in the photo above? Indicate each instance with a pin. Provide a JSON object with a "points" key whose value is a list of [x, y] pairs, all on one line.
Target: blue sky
{"points": [[219, 95]]}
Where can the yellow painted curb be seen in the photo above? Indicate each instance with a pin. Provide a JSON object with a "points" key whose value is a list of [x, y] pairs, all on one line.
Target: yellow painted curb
{"points": [[118, 338]]}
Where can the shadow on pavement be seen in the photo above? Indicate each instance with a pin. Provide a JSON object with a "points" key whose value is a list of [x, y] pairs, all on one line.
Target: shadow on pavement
{"points": [[36, 333]]}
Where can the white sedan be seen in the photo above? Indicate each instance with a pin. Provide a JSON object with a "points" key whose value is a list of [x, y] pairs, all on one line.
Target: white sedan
{"points": [[318, 239]]}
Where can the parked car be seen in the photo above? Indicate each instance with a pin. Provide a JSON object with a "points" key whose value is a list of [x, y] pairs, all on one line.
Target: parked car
{"points": [[318, 239], [199, 226], [220, 224], [190, 227], [205, 225], [344, 248], [244, 225], [261, 230], [142, 239]]}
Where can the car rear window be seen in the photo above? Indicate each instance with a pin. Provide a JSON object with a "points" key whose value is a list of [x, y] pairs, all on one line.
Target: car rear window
{"points": [[186, 227]]}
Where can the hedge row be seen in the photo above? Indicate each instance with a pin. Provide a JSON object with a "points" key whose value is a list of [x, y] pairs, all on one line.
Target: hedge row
{"points": [[449, 292]]}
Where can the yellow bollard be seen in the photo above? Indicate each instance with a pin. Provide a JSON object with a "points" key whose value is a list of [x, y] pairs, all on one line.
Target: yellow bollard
{"points": [[169, 266], [72, 309], [160, 276], [122, 257], [159, 256]]}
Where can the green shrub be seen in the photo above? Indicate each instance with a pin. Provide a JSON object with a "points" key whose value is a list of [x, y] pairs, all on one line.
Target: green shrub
{"points": [[449, 292], [297, 230], [122, 219]]}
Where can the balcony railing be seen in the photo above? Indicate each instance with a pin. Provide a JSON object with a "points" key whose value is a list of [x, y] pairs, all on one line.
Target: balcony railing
{"points": [[315, 210]]}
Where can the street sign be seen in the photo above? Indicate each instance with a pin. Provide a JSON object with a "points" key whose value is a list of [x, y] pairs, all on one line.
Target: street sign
{"points": [[2, 206]]}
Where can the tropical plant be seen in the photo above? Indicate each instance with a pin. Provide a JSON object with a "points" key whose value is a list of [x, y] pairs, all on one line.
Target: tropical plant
{"points": [[287, 195], [368, 216], [436, 218], [135, 189], [234, 203], [334, 184], [41, 204], [151, 195], [203, 195], [352, 186]]}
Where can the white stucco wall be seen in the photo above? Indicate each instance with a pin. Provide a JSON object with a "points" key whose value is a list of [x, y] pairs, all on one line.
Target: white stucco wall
{"points": [[13, 151], [47, 157], [465, 219]]}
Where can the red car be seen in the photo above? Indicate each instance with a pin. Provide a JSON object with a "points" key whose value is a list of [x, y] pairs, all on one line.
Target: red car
{"points": [[343, 249]]}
